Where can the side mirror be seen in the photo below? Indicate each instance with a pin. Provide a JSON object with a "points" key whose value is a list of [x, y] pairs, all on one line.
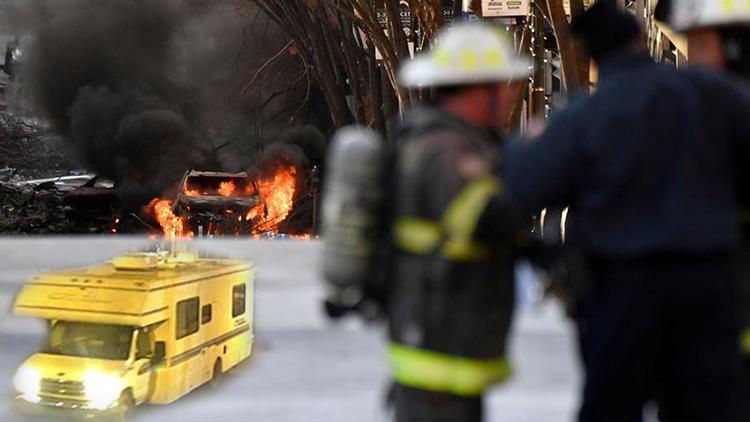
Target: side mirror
{"points": [[160, 352]]}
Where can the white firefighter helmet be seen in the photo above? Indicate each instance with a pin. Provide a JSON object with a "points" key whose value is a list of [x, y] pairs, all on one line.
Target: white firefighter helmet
{"points": [[688, 15], [466, 54]]}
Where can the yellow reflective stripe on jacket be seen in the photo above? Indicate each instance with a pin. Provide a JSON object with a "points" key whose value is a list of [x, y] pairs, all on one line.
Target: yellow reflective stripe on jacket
{"points": [[434, 371], [464, 251], [745, 342], [417, 236], [462, 216], [744, 215], [451, 237], [423, 237]]}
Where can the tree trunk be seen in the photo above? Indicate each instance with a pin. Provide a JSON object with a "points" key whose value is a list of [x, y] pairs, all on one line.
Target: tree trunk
{"points": [[640, 12], [376, 94], [584, 61], [514, 119], [537, 96], [337, 40], [565, 44]]}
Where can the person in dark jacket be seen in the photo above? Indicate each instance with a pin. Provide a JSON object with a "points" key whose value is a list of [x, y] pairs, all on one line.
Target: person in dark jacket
{"points": [[451, 295], [719, 39], [649, 166]]}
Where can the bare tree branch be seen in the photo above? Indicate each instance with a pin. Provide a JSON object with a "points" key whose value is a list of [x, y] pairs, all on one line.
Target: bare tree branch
{"points": [[270, 61]]}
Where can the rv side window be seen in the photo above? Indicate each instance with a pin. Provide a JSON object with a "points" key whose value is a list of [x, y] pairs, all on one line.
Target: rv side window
{"points": [[238, 300], [206, 314], [187, 317]]}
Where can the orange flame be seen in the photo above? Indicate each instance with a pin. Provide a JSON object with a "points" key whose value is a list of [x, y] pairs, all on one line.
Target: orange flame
{"points": [[276, 199], [172, 225], [227, 188], [301, 236]]}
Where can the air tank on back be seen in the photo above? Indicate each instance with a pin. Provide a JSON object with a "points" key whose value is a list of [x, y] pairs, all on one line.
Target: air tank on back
{"points": [[353, 193]]}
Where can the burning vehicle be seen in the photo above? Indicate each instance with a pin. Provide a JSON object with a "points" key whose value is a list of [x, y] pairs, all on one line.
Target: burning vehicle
{"points": [[142, 328], [143, 100], [216, 204], [212, 190]]}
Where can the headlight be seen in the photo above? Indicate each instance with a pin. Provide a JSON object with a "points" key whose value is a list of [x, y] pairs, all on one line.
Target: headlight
{"points": [[27, 381], [102, 390]]}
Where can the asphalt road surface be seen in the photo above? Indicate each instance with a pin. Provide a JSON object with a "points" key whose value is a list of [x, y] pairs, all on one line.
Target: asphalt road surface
{"points": [[304, 367]]}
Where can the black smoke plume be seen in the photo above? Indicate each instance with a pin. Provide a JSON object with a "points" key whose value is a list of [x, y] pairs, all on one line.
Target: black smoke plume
{"points": [[146, 89]]}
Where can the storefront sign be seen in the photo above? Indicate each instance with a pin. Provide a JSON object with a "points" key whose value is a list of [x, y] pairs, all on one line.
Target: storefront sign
{"points": [[504, 8], [586, 4]]}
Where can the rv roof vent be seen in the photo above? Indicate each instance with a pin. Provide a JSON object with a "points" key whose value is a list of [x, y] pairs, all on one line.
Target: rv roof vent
{"points": [[136, 262], [184, 257]]}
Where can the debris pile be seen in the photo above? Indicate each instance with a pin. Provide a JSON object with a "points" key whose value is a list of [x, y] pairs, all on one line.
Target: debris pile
{"points": [[15, 128], [39, 210], [30, 153], [142, 96]]}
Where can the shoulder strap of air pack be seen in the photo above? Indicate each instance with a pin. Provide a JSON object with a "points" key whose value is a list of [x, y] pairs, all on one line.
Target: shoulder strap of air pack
{"points": [[377, 288]]}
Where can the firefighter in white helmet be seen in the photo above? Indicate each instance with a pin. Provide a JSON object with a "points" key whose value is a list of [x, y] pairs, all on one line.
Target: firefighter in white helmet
{"points": [[719, 38], [451, 291], [649, 165], [718, 32]]}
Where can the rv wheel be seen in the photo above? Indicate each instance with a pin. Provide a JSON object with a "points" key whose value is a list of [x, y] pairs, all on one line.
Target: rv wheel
{"points": [[217, 374], [127, 406]]}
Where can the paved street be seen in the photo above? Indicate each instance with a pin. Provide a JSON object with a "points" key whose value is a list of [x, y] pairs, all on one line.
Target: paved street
{"points": [[305, 368]]}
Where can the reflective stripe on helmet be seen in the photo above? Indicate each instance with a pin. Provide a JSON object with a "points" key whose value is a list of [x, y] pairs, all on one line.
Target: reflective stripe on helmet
{"points": [[434, 371], [745, 342], [466, 54], [729, 6], [695, 14]]}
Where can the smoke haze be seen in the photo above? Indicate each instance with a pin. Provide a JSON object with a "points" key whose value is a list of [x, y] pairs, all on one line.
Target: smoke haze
{"points": [[146, 89]]}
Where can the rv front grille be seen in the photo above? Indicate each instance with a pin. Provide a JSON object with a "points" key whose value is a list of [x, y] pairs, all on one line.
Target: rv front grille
{"points": [[61, 388]]}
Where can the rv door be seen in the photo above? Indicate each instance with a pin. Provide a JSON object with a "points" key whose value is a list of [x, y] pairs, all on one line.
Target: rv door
{"points": [[143, 354]]}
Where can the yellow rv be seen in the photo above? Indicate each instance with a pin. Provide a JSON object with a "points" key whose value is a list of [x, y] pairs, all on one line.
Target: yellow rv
{"points": [[142, 328]]}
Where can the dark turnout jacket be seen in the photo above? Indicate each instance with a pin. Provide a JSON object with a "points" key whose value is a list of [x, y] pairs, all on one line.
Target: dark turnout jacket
{"points": [[451, 295], [455, 308], [649, 164]]}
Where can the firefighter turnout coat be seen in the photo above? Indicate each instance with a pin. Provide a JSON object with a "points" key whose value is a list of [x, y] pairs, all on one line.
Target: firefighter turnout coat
{"points": [[451, 295]]}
